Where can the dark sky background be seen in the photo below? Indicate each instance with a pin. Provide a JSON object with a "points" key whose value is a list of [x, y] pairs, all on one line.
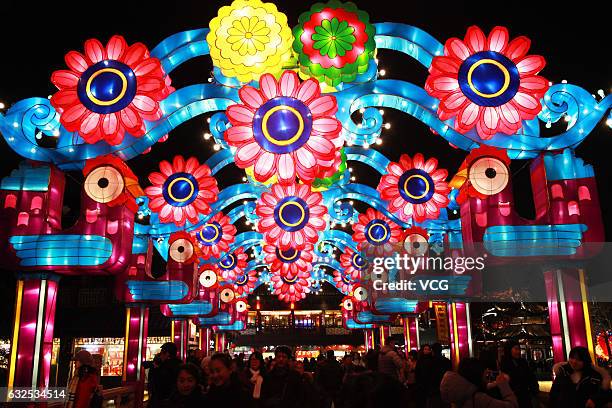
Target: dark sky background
{"points": [[574, 41]]}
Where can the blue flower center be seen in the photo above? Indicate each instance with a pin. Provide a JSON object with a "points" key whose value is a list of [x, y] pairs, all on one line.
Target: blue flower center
{"points": [[291, 213], [346, 278], [377, 232], [290, 255], [289, 281], [358, 262], [107, 86], [416, 186], [210, 234], [489, 78], [242, 279], [180, 189], [228, 262], [282, 125]]}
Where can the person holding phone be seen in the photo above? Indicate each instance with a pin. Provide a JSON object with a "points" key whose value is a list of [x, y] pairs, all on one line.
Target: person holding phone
{"points": [[467, 388]]}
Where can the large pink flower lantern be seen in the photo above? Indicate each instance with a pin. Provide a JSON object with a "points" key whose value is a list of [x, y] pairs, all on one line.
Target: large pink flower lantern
{"points": [[285, 129]]}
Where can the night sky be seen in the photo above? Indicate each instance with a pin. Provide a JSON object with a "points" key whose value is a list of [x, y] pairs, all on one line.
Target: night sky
{"points": [[575, 43]]}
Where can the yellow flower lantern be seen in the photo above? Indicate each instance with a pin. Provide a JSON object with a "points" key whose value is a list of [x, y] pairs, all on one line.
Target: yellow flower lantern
{"points": [[249, 38]]}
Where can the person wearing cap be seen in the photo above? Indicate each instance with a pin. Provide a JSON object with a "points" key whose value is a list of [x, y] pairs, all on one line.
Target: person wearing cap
{"points": [[282, 386], [162, 376], [84, 382]]}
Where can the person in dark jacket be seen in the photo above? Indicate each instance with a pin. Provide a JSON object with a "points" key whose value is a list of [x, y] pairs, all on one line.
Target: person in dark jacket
{"points": [[162, 376], [282, 386], [576, 383], [329, 378], [522, 379], [370, 389], [389, 361], [226, 390], [188, 391], [425, 374]]}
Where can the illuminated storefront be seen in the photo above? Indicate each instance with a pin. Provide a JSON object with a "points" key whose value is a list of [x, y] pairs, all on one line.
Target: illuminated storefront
{"points": [[108, 351]]}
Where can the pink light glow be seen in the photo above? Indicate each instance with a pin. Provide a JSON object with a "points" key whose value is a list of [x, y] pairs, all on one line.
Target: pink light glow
{"points": [[584, 193]]}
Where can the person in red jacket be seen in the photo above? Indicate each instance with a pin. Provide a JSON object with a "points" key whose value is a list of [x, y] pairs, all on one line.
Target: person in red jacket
{"points": [[84, 382]]}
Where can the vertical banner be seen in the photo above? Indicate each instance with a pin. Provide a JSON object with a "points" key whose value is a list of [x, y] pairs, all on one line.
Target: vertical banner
{"points": [[442, 326]]}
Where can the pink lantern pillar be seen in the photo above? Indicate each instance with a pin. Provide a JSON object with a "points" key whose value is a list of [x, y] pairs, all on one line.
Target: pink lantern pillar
{"points": [[570, 323], [220, 342], [460, 338], [368, 338], [180, 337], [411, 333], [384, 332], [205, 337], [135, 347], [32, 340]]}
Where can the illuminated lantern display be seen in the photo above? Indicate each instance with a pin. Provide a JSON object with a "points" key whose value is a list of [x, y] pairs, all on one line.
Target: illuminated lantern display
{"points": [[376, 234], [249, 38], [487, 82], [416, 241], [291, 216], [290, 261], [178, 284], [291, 288], [414, 188], [566, 200], [291, 112], [244, 284], [285, 129], [344, 281], [232, 265], [100, 241], [334, 42], [110, 90], [353, 263], [182, 191], [215, 236]]}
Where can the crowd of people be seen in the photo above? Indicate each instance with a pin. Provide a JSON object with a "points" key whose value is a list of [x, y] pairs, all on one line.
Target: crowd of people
{"points": [[380, 378]]}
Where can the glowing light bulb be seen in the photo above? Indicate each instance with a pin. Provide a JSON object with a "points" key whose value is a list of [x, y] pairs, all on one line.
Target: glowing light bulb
{"points": [[378, 141], [382, 72], [216, 146], [2, 105], [387, 125]]}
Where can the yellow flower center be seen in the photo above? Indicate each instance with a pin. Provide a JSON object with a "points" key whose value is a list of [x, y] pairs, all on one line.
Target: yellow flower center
{"points": [[248, 35]]}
